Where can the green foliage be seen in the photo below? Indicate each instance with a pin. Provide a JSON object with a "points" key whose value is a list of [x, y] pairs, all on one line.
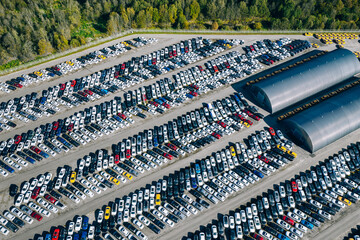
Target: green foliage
{"points": [[29, 29]]}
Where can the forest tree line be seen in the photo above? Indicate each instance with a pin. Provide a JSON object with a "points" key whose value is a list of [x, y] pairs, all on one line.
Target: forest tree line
{"points": [[30, 29]]}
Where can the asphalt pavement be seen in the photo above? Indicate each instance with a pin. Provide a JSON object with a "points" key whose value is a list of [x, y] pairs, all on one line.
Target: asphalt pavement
{"points": [[303, 162]]}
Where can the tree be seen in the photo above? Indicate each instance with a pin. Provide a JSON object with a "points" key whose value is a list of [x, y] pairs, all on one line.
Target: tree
{"points": [[182, 22], [172, 13], [194, 10], [61, 42], [156, 15], [141, 19], [214, 26], [257, 26], [44, 47], [74, 43]]}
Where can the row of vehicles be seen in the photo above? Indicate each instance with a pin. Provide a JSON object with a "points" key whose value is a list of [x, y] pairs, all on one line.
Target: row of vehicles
{"points": [[99, 171], [94, 86], [296, 206], [73, 64], [174, 197], [90, 116]]}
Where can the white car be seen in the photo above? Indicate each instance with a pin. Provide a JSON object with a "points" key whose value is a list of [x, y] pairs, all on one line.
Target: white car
{"points": [[100, 216], [168, 222], [19, 199], [78, 223], [137, 223]]}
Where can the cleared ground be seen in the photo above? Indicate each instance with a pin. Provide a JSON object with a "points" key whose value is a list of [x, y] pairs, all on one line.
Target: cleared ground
{"points": [[303, 162]]}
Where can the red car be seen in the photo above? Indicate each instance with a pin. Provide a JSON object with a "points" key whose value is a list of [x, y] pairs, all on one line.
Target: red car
{"points": [[200, 68], [215, 68], [154, 103], [35, 193], [288, 220], [168, 156], [195, 94], [73, 83], [70, 127], [166, 105], [123, 66], [36, 216], [82, 94], [248, 121], [172, 146], [128, 153], [264, 159], [50, 198], [35, 149], [258, 237], [55, 126], [17, 139], [194, 86], [272, 131], [221, 124], [18, 85], [216, 135], [88, 92], [116, 159], [239, 116], [56, 233], [62, 86], [255, 117], [122, 116], [294, 186]]}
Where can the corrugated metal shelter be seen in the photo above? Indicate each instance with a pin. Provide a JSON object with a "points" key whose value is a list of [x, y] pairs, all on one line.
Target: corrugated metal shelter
{"points": [[327, 121], [291, 86]]}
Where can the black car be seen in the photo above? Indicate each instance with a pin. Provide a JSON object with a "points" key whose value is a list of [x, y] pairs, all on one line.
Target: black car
{"points": [[13, 190]]}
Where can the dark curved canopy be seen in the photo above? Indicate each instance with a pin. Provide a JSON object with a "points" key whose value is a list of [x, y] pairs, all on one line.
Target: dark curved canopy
{"points": [[291, 86], [327, 121]]}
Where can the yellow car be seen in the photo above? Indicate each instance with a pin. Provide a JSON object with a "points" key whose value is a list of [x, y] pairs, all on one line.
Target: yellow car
{"points": [[70, 63], [292, 153], [73, 177], [107, 213], [114, 180], [102, 56], [129, 176], [232, 151], [245, 124], [38, 73], [158, 199], [308, 34], [344, 200], [282, 148], [315, 45]]}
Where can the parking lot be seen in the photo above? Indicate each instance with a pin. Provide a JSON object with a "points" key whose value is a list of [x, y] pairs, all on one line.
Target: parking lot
{"points": [[178, 94]]}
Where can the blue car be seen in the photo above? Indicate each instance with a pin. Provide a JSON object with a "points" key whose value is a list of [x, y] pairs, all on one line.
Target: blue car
{"points": [[104, 91], [47, 236], [259, 174], [58, 131], [9, 169], [43, 100], [307, 224], [83, 235], [193, 183], [158, 101], [30, 160], [85, 223], [76, 236], [282, 237], [156, 143], [197, 168], [189, 96], [44, 154]]}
